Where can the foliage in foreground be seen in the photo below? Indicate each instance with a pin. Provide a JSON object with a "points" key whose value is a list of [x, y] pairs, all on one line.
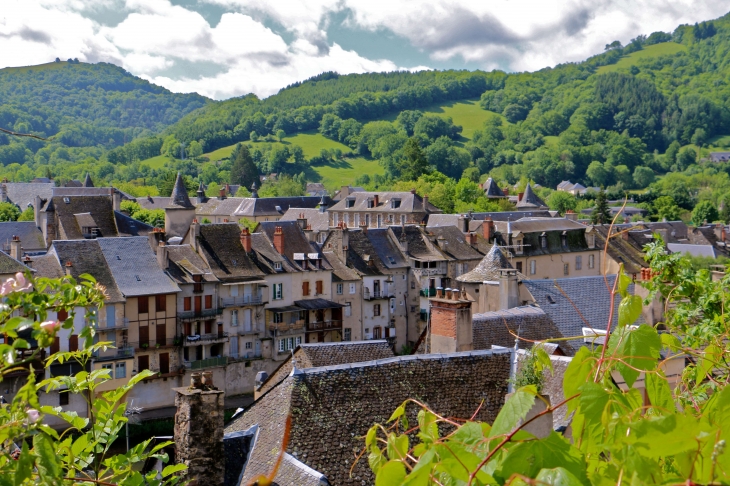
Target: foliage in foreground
{"points": [[31, 452], [677, 435]]}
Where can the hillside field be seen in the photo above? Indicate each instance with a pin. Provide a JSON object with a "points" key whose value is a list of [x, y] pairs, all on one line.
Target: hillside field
{"points": [[649, 51]]}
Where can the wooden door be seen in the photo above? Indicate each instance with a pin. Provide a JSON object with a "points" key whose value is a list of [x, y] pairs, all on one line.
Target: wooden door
{"points": [[208, 327], [220, 330], [144, 363], [161, 334], [198, 304], [144, 335], [164, 363]]}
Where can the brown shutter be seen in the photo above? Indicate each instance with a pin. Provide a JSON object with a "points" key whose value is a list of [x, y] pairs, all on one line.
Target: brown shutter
{"points": [[319, 286], [73, 342], [208, 327], [62, 315], [161, 334], [160, 303], [143, 305], [144, 335], [164, 363], [198, 304], [56, 346], [187, 303], [305, 288], [208, 301]]}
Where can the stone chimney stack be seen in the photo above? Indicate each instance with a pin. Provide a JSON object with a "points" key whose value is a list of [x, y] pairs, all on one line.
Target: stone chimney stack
{"points": [[451, 323], [488, 229], [194, 234], [302, 221], [509, 296], [571, 215], [403, 242], [279, 240], [15, 249], [246, 240], [116, 199], [162, 255], [425, 203], [199, 430], [3, 193]]}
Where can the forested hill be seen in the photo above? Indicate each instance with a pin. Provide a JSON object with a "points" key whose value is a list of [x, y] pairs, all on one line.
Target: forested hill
{"points": [[87, 104]]}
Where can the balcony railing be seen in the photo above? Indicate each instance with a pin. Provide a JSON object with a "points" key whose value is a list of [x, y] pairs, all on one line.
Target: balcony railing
{"points": [[242, 331], [286, 326], [114, 353], [199, 315], [196, 339], [248, 355], [324, 325], [429, 271], [243, 300], [123, 324], [429, 292], [206, 363], [154, 343], [376, 294]]}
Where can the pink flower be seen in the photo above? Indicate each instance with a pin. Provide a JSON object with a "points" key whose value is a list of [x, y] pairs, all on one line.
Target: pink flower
{"points": [[49, 326], [17, 284], [33, 415]]}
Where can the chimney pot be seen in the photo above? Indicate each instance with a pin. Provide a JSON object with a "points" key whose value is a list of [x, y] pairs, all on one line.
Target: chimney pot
{"points": [[413, 191], [440, 292], [279, 240], [246, 240], [505, 192], [519, 196]]}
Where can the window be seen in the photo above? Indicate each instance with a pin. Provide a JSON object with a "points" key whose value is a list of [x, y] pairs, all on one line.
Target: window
{"points": [[352, 288], [234, 318], [111, 316], [336, 219], [160, 303], [578, 262], [108, 366], [367, 220], [234, 290], [347, 336], [305, 288], [277, 265], [402, 219], [339, 288], [248, 345], [533, 267], [290, 343], [543, 240], [278, 317], [144, 363], [519, 266], [392, 305], [187, 303], [62, 315], [120, 370], [566, 269], [63, 398], [564, 239], [319, 287], [297, 340], [371, 203], [348, 309], [208, 301], [520, 246], [56, 345], [282, 345], [376, 309], [278, 291], [73, 342], [396, 203], [349, 203], [143, 305], [591, 261], [357, 220]]}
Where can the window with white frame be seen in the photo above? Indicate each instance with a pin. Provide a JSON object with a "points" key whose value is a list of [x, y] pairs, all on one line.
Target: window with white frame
{"points": [[347, 335], [234, 317], [234, 290], [297, 341], [578, 262], [120, 370], [110, 367], [339, 288], [357, 220], [533, 267], [277, 265], [278, 290], [520, 246], [591, 261], [352, 288], [248, 345]]}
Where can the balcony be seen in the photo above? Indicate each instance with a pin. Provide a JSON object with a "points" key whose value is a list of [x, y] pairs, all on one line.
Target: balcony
{"points": [[197, 339], [246, 332], [123, 324], [421, 272], [243, 300], [206, 363], [376, 294], [154, 344], [199, 315], [124, 351], [319, 326], [286, 326], [430, 292], [243, 356]]}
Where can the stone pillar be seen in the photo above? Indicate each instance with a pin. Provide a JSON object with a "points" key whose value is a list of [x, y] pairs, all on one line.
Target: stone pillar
{"points": [[199, 431]]}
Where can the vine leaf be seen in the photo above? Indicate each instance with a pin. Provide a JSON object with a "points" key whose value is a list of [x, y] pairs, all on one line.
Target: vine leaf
{"points": [[657, 388], [580, 367], [629, 310], [393, 472], [637, 349], [530, 457], [514, 410]]}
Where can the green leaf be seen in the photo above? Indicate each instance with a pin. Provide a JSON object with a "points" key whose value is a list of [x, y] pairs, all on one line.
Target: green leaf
{"points": [[530, 457], [629, 310], [376, 459], [636, 348], [470, 433], [558, 476], [670, 341], [25, 465], [660, 395], [543, 360], [47, 463], [79, 445], [514, 410], [623, 284], [392, 473], [576, 374], [398, 412], [370, 437], [397, 446], [709, 358], [172, 469], [593, 400]]}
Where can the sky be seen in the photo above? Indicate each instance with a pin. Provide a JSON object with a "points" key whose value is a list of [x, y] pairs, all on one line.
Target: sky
{"points": [[227, 48]]}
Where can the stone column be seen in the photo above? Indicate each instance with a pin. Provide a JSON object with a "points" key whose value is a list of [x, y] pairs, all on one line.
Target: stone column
{"points": [[199, 431]]}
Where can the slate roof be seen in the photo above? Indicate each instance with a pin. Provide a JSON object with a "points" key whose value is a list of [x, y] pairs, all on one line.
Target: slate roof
{"points": [[409, 203], [9, 265], [134, 266], [419, 247], [23, 194], [219, 207], [530, 200], [477, 218], [87, 181], [538, 225], [488, 268], [179, 198], [331, 407], [47, 266], [318, 220], [220, 246], [340, 271], [267, 206], [266, 255], [384, 244], [553, 229], [85, 256], [31, 238], [313, 355], [294, 242], [492, 190], [99, 208], [531, 323], [719, 156], [452, 242], [694, 250], [628, 251], [153, 202], [127, 226], [588, 294], [184, 262]]}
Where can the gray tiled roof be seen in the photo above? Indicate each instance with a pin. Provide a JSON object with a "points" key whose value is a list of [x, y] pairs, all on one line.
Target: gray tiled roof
{"points": [[127, 226], [179, 197], [384, 243], [330, 408], [134, 266], [267, 206], [409, 203], [419, 247], [492, 190], [488, 268], [538, 225], [453, 243], [184, 262], [31, 238], [99, 208], [9, 265], [220, 245], [588, 295], [477, 218], [266, 255], [87, 181], [294, 241], [153, 202], [85, 256], [340, 271], [219, 207], [530, 200], [694, 250], [318, 220], [23, 194], [47, 266]]}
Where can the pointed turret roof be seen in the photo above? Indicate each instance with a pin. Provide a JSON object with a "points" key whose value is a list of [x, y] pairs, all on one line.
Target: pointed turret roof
{"points": [[488, 268], [254, 192], [179, 197], [530, 200], [87, 181], [492, 190]]}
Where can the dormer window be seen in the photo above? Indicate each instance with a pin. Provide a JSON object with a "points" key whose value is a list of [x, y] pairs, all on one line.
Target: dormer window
{"points": [[349, 203], [395, 203], [519, 246], [371, 203], [277, 265]]}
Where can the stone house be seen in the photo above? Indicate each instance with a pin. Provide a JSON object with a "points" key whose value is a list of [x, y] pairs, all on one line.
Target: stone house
{"points": [[380, 209]]}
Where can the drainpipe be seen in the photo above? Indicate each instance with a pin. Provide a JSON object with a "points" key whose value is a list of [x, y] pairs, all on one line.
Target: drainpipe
{"points": [[513, 365]]}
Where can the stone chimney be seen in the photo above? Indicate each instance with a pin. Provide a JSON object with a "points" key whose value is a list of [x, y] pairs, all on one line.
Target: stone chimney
{"points": [[194, 234], [509, 295], [3, 193], [222, 193], [199, 430], [69, 266], [162, 255], [116, 199], [309, 233], [279, 240], [471, 238], [403, 242], [15, 249], [425, 203], [463, 223], [246, 240], [571, 215], [451, 323], [201, 193], [488, 229], [302, 221]]}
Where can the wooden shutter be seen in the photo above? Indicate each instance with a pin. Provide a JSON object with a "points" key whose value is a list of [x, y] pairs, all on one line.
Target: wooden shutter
{"points": [[319, 286], [144, 363], [144, 335], [305, 288], [208, 327], [73, 342], [160, 303], [62, 315], [198, 304], [56, 346], [208, 301], [164, 363], [161, 334], [143, 305], [187, 304]]}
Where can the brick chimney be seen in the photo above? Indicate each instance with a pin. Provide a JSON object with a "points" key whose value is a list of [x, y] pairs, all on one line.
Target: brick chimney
{"points": [[451, 323], [488, 229], [198, 430], [279, 240], [519, 196], [246, 240], [505, 192], [194, 234], [571, 215], [69, 266], [162, 255], [509, 296], [302, 221], [376, 200], [222, 193], [15, 249]]}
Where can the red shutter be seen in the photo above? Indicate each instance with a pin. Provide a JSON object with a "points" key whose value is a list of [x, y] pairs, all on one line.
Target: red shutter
{"points": [[73, 342]]}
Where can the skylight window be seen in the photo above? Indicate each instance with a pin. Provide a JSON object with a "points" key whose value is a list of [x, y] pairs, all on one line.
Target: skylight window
{"points": [[138, 279]]}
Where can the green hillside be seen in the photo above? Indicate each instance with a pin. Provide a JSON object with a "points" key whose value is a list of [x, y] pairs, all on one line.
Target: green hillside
{"points": [[648, 52]]}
